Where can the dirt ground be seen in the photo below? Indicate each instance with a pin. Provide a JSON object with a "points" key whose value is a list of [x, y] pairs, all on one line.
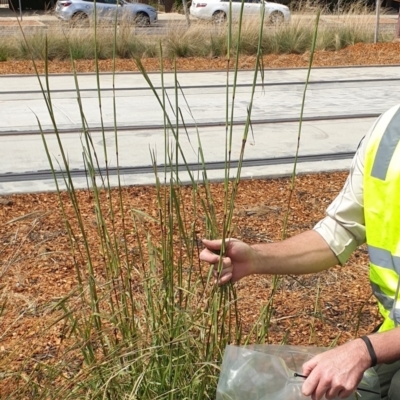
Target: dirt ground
{"points": [[36, 268]]}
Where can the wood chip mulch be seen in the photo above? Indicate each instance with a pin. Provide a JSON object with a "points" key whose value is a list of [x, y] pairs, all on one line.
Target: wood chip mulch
{"points": [[37, 269], [359, 54]]}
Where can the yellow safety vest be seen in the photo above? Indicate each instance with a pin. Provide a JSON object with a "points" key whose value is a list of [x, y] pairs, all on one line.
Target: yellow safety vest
{"points": [[382, 214]]}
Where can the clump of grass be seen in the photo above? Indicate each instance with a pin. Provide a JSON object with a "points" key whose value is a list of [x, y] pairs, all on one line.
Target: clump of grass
{"points": [[126, 46], [216, 45], [335, 40], [354, 25], [294, 38], [249, 37], [181, 42], [5, 52], [61, 46]]}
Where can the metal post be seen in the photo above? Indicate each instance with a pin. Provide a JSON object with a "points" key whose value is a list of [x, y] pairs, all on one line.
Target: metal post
{"points": [[378, 10], [20, 9]]}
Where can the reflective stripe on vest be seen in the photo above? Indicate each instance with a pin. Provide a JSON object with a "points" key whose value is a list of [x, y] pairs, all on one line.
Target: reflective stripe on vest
{"points": [[382, 214], [387, 147]]}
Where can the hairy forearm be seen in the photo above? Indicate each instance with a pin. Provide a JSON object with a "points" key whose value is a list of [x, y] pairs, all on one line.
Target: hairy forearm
{"points": [[302, 254]]}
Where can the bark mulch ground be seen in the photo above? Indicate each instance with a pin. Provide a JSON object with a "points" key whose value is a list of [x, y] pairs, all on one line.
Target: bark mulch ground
{"points": [[359, 54], [36, 268]]}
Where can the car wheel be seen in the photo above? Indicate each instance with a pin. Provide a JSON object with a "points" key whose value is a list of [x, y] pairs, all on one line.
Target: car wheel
{"points": [[80, 20], [276, 18], [142, 19], [219, 17]]}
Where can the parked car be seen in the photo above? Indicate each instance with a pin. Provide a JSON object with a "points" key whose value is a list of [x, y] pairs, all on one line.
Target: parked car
{"points": [[217, 10], [83, 10]]}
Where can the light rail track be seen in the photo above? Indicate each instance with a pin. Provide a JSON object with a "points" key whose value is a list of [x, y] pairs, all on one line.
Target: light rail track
{"points": [[191, 125], [79, 173], [219, 86]]}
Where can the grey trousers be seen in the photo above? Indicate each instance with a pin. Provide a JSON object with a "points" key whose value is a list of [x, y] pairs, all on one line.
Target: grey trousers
{"points": [[389, 378]]}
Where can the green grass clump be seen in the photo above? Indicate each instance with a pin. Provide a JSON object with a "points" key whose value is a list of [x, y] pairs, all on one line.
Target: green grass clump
{"points": [[4, 52], [294, 38]]}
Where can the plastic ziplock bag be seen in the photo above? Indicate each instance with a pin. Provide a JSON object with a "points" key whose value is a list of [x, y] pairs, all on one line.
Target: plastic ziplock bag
{"points": [[267, 372]]}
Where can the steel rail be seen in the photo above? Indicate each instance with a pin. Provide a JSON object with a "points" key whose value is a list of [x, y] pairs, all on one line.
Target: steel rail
{"points": [[264, 121], [238, 85], [218, 165]]}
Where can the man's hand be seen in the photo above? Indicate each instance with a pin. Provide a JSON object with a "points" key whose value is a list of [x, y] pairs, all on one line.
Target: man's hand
{"points": [[305, 253], [237, 262], [337, 372]]}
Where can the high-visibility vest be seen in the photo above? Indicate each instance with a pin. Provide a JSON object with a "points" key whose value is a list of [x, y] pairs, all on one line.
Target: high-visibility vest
{"points": [[382, 214]]}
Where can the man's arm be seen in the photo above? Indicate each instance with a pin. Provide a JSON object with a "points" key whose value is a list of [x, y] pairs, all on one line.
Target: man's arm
{"points": [[302, 254], [331, 241], [305, 253]]}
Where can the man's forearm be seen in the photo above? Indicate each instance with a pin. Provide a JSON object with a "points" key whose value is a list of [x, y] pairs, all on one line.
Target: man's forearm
{"points": [[302, 254]]}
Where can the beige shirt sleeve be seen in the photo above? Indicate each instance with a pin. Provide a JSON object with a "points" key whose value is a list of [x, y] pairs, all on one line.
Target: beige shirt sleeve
{"points": [[344, 226]]}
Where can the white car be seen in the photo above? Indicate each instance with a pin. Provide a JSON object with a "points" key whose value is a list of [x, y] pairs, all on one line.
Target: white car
{"points": [[217, 10]]}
